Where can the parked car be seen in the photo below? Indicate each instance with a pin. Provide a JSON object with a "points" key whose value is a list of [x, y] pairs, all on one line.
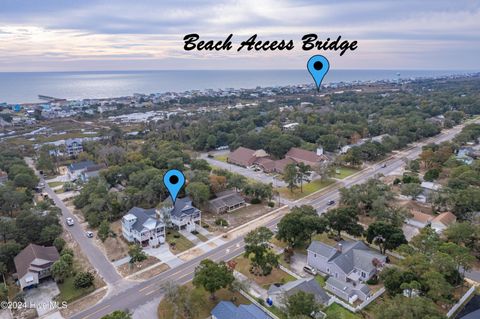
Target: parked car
{"points": [[331, 202], [384, 165], [89, 234], [70, 221], [275, 229], [310, 270]]}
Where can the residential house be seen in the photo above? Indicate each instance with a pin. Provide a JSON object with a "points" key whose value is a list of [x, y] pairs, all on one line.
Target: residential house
{"points": [[345, 291], [228, 310], [464, 155], [429, 188], [442, 221], [350, 262], [73, 146], [419, 219], [307, 157], [76, 169], [33, 264], [92, 171], [144, 227], [3, 177], [278, 292], [226, 202], [182, 215]]}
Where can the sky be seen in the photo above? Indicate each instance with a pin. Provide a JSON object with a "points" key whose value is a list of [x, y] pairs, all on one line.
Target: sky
{"points": [[71, 35]]}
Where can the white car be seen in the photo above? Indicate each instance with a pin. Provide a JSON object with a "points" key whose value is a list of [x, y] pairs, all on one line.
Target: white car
{"points": [[70, 221], [310, 270], [89, 234]]}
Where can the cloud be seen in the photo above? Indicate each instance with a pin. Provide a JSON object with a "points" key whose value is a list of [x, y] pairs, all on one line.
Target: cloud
{"points": [[148, 34]]}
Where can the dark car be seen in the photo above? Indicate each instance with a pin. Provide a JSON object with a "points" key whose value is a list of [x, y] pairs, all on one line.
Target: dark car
{"points": [[331, 202]]}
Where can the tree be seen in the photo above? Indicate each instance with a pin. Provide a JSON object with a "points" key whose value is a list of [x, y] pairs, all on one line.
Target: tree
{"points": [[343, 219], [199, 193], [408, 308], [410, 287], [136, 254], [464, 233], [200, 164], [181, 299], [3, 292], [386, 236], [302, 173], [427, 241], [412, 189], [438, 289], [212, 276], [394, 277], [461, 255], [104, 230], [7, 229], [83, 279], [290, 176], [7, 252], [256, 247], [118, 314], [301, 304], [432, 174], [59, 243], [60, 270], [50, 233], [298, 226]]}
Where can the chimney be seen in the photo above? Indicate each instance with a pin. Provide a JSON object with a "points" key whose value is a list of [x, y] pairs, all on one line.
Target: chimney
{"points": [[339, 247], [319, 150]]}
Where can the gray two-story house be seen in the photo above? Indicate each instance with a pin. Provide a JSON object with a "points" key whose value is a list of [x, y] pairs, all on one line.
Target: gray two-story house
{"points": [[183, 215], [349, 265], [144, 227]]}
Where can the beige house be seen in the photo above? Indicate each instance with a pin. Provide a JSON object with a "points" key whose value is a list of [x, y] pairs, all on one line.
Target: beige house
{"points": [[33, 264]]}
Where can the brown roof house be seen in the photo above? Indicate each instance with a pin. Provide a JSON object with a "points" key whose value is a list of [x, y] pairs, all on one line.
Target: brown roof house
{"points": [[33, 264], [307, 157], [245, 157], [442, 221]]}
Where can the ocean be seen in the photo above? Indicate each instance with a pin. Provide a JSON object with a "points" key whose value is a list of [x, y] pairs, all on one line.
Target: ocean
{"points": [[24, 87]]}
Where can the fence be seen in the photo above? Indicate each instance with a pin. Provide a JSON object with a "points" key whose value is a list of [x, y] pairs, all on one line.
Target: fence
{"points": [[461, 302], [256, 303], [288, 271]]}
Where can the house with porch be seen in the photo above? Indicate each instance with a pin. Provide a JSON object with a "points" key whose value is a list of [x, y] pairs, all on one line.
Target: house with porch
{"points": [[351, 263], [226, 202], [144, 227], [183, 215], [33, 264], [278, 292]]}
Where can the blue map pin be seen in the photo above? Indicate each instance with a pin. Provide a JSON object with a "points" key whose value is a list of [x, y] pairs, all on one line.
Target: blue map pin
{"points": [[173, 181], [318, 66]]}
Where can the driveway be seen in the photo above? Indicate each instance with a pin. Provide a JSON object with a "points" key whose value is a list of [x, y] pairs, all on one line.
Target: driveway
{"points": [[164, 254], [42, 297]]}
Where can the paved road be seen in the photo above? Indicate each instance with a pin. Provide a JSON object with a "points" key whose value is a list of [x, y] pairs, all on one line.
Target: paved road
{"points": [[96, 257], [141, 293]]}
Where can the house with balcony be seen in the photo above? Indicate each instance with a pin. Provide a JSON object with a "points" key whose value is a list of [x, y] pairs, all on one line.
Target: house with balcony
{"points": [[33, 264], [183, 215], [144, 227]]}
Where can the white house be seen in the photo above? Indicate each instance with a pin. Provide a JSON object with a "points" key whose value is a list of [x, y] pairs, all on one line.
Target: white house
{"points": [[143, 226]]}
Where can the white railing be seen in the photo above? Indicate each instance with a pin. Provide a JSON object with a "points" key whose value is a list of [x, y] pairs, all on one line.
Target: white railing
{"points": [[462, 300]]}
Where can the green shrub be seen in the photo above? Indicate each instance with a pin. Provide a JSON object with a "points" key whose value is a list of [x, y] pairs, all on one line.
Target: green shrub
{"points": [[255, 201], [221, 222]]}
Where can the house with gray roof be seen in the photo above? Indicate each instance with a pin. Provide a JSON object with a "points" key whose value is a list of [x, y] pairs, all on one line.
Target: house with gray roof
{"points": [[228, 310], [277, 293], [348, 292], [76, 169], [33, 264], [351, 262], [226, 202], [182, 215], [144, 227]]}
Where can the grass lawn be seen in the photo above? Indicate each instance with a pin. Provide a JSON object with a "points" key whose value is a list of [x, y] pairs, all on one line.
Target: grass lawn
{"points": [[345, 172], [201, 237], [55, 184], [181, 243], [276, 276], [203, 303], [69, 293], [321, 280], [308, 189], [221, 158], [338, 312]]}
